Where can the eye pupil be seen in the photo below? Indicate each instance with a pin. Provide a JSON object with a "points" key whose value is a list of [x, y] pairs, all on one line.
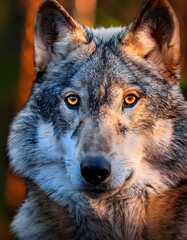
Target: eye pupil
{"points": [[72, 101], [130, 100]]}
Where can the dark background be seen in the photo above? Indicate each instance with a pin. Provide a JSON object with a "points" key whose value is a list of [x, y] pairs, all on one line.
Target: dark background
{"points": [[16, 69]]}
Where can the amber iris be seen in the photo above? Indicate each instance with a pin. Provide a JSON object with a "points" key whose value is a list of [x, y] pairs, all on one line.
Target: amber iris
{"points": [[72, 100], [130, 100]]}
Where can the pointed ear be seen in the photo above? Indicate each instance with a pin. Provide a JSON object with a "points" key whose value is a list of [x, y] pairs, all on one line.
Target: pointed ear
{"points": [[56, 34], [154, 35]]}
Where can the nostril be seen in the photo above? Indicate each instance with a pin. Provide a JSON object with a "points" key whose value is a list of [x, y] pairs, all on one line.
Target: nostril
{"points": [[103, 173], [95, 170]]}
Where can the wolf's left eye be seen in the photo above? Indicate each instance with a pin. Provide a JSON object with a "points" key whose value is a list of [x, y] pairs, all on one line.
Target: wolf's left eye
{"points": [[72, 101], [130, 100]]}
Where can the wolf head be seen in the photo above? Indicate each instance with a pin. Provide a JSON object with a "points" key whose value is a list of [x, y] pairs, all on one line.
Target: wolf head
{"points": [[106, 112]]}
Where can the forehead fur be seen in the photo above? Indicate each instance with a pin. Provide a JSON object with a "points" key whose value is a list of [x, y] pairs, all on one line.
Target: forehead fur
{"points": [[106, 34]]}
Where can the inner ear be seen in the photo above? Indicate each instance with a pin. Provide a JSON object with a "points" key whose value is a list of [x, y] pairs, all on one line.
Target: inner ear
{"points": [[56, 33], [154, 35], [49, 28], [157, 20], [53, 21]]}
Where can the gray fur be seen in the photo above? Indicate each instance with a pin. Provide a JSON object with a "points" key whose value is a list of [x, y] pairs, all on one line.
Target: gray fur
{"points": [[146, 144]]}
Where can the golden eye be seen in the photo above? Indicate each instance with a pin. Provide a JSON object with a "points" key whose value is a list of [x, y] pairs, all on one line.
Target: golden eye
{"points": [[72, 101], [130, 100]]}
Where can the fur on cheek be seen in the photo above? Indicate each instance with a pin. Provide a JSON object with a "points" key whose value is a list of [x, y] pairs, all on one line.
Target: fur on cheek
{"points": [[47, 142], [163, 133]]}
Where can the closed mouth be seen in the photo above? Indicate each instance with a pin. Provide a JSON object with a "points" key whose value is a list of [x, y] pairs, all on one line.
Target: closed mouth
{"points": [[102, 189], [97, 191]]}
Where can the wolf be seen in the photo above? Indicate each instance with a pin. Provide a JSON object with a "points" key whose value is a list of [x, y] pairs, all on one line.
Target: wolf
{"points": [[102, 141]]}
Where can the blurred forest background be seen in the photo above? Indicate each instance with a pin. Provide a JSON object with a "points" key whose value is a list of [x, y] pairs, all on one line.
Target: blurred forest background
{"points": [[17, 74]]}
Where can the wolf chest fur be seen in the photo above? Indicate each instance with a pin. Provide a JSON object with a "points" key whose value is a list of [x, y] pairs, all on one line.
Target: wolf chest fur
{"points": [[102, 140]]}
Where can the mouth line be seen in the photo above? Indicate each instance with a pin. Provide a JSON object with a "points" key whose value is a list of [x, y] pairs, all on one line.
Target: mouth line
{"points": [[97, 191], [129, 176]]}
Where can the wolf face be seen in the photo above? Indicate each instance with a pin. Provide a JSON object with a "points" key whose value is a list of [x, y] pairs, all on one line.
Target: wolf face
{"points": [[102, 140], [105, 106]]}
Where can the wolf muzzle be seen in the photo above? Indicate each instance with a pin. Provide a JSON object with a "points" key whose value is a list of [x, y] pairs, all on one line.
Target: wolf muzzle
{"points": [[95, 169]]}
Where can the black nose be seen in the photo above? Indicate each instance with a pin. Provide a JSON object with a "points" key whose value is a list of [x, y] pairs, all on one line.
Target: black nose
{"points": [[95, 169]]}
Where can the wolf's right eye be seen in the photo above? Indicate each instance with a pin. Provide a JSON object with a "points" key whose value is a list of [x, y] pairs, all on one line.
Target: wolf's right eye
{"points": [[72, 101]]}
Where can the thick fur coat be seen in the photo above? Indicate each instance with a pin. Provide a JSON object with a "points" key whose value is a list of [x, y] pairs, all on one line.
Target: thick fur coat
{"points": [[102, 141]]}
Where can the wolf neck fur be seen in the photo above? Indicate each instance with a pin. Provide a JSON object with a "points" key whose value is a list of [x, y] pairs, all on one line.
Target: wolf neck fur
{"points": [[102, 214]]}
